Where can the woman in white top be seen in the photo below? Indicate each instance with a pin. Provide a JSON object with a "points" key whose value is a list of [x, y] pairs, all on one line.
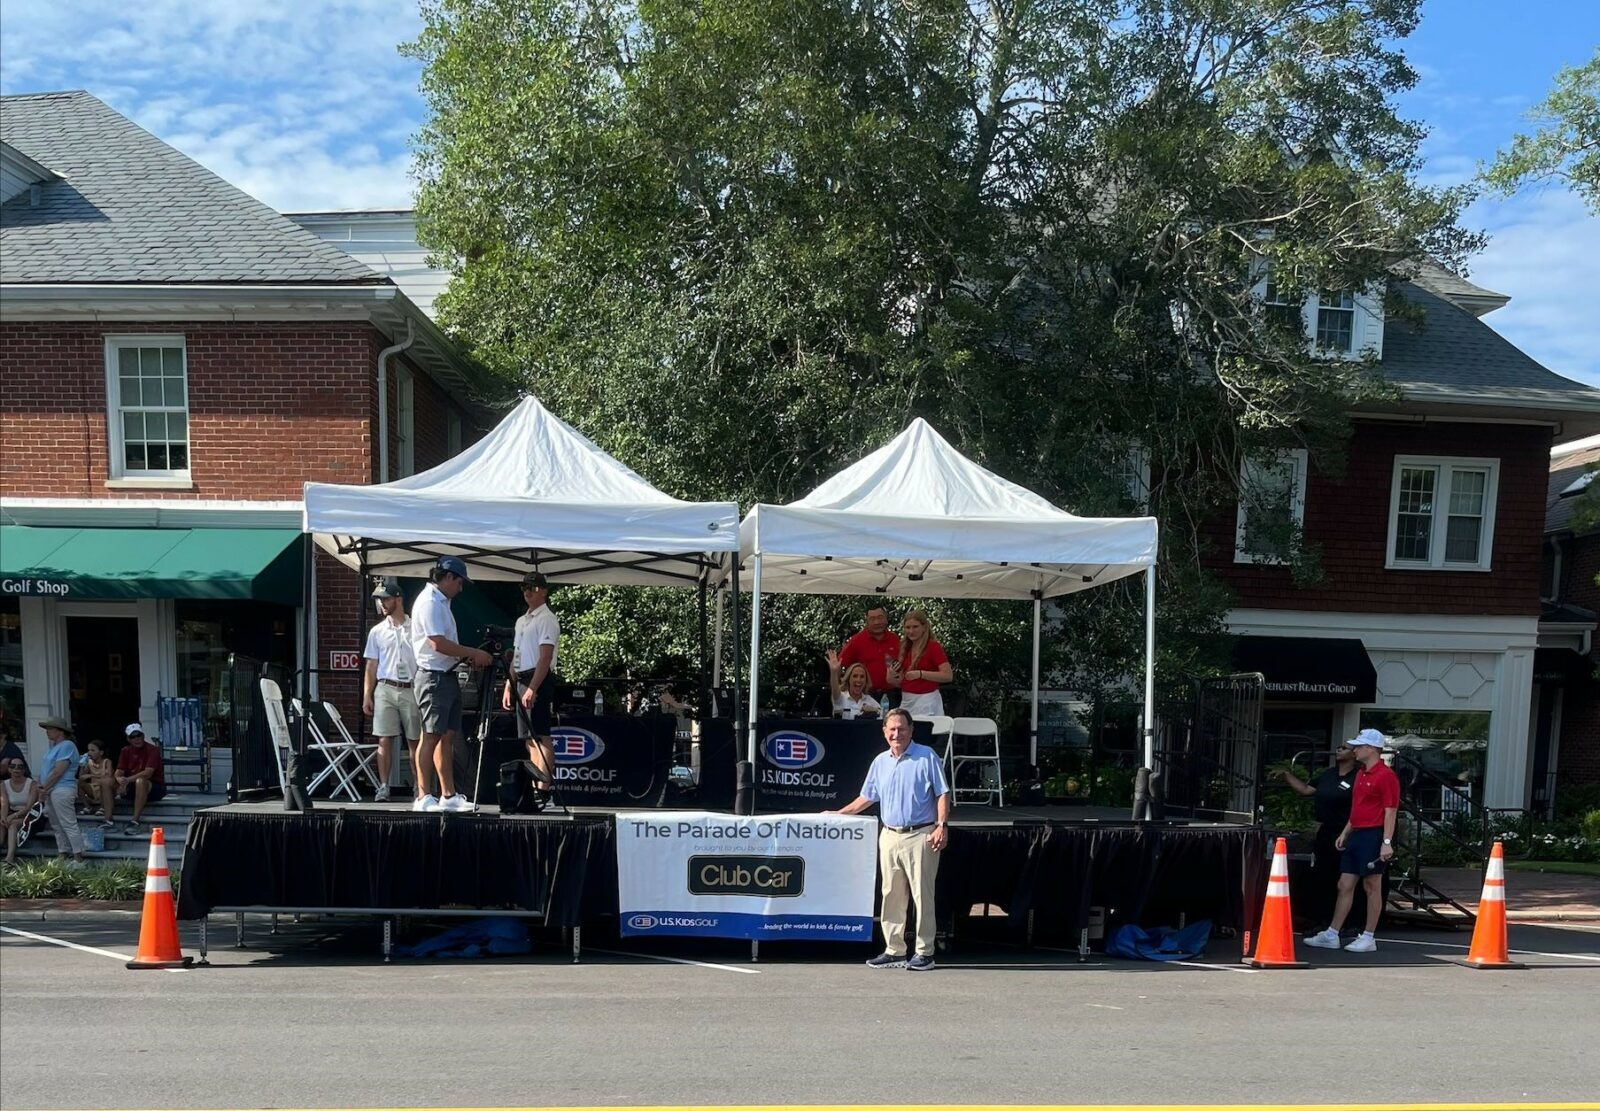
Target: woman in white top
{"points": [[850, 697], [17, 796]]}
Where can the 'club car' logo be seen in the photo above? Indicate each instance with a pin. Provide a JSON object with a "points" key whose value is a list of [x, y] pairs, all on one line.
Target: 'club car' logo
{"points": [[575, 746], [791, 749], [642, 922]]}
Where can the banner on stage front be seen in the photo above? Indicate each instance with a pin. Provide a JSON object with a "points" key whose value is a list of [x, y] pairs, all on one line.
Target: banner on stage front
{"points": [[786, 877]]}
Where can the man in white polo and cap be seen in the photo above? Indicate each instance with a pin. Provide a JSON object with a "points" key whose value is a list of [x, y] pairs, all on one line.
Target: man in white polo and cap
{"points": [[433, 639], [389, 690], [1366, 844]]}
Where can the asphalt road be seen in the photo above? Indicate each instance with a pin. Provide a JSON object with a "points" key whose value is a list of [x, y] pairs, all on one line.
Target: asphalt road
{"points": [[315, 1020]]}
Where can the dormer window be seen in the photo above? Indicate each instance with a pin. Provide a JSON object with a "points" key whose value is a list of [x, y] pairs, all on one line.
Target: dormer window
{"points": [[1339, 323], [1336, 322]]}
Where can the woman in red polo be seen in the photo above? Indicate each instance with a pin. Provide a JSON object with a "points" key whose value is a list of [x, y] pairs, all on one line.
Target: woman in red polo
{"points": [[921, 669]]}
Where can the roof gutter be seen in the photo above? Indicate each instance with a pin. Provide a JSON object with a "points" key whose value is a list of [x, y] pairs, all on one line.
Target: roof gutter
{"points": [[383, 397]]}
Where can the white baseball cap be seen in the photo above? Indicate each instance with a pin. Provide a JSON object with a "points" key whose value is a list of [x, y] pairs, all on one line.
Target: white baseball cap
{"points": [[133, 727], [1369, 737]]}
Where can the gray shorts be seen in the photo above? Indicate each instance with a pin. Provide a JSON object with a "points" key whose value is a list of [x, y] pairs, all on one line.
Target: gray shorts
{"points": [[439, 699], [395, 713]]}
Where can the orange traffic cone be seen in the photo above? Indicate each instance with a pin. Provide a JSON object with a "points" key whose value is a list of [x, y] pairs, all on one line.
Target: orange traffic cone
{"points": [[1275, 944], [1489, 935], [158, 928]]}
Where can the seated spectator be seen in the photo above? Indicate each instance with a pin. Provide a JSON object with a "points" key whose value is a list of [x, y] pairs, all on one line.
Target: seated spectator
{"points": [[139, 775], [850, 697], [18, 794], [97, 782]]}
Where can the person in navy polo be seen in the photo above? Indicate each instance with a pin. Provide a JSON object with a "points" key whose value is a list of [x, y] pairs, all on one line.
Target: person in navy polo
{"points": [[907, 783], [1366, 844]]}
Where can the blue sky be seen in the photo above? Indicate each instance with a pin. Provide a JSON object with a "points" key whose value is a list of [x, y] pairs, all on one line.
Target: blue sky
{"points": [[307, 105]]}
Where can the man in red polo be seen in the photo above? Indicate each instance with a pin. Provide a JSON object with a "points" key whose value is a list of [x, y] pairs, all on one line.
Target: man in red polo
{"points": [[139, 776], [1366, 844], [873, 647]]}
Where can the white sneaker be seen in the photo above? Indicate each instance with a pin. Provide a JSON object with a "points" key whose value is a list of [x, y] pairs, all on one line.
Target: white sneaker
{"points": [[1365, 943], [456, 804], [426, 802], [1327, 939], [381, 794]]}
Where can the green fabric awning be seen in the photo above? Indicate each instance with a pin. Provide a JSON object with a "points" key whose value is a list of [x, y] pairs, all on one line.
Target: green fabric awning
{"points": [[237, 563]]}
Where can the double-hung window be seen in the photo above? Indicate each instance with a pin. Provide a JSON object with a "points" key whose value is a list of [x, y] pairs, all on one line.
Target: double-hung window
{"points": [[1272, 507], [147, 390], [405, 422], [1336, 322], [1441, 513]]}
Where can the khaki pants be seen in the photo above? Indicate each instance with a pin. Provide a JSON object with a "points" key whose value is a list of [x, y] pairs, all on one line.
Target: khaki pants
{"points": [[64, 819], [909, 868]]}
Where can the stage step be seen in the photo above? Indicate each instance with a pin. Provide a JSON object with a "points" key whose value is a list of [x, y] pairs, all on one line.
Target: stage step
{"points": [[172, 814]]}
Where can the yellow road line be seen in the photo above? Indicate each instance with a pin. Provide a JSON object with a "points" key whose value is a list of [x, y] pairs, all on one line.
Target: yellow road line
{"points": [[1519, 1106]]}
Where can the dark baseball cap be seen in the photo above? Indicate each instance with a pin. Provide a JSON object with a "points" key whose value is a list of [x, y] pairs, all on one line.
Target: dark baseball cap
{"points": [[388, 587], [535, 578], [454, 565]]}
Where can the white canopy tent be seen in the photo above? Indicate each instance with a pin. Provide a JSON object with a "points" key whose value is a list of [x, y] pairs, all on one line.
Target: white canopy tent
{"points": [[533, 493], [917, 518]]}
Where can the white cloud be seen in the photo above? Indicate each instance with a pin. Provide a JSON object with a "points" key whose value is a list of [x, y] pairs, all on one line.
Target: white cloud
{"points": [[304, 106], [1544, 251]]}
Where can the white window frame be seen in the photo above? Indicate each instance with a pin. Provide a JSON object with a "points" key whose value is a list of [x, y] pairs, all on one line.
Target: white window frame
{"points": [[1297, 506], [1136, 475], [405, 423], [118, 468], [1366, 324], [1446, 465]]}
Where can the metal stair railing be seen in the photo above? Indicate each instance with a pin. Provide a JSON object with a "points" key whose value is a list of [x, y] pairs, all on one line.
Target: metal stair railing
{"points": [[1458, 819]]}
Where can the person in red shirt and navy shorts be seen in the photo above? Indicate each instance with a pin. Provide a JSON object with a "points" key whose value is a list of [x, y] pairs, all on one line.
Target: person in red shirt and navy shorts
{"points": [[1367, 843]]}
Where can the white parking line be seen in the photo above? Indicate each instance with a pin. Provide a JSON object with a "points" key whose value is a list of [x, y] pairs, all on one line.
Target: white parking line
{"points": [[1522, 952], [1223, 967], [123, 957], [676, 960]]}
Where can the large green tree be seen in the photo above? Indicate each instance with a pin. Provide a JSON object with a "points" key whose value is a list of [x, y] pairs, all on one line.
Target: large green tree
{"points": [[741, 242], [1565, 145]]}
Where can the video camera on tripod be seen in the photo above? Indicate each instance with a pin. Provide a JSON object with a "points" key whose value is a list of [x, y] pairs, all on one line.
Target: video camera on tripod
{"points": [[520, 781]]}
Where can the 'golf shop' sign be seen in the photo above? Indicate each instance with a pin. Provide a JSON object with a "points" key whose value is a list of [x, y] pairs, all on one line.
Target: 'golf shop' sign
{"points": [[34, 588]]}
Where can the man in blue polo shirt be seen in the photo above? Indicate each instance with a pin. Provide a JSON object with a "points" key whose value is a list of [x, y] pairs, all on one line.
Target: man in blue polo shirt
{"points": [[907, 783]]}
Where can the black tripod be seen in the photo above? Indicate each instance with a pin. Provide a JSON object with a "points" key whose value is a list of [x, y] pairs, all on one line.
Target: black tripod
{"points": [[487, 710]]}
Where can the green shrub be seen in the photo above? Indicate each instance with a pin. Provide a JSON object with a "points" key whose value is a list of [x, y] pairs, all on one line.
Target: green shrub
{"points": [[51, 878], [1590, 826], [1573, 800]]}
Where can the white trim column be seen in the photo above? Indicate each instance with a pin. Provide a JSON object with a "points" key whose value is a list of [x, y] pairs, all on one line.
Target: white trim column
{"points": [[44, 671], [1510, 756]]}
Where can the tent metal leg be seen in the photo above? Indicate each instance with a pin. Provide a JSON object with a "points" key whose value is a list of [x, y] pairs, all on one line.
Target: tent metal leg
{"points": [[755, 655], [238, 931], [1033, 720], [1150, 667], [755, 951], [577, 943], [716, 642], [205, 940]]}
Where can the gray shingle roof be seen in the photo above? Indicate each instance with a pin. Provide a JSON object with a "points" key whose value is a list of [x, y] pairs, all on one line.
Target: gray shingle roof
{"points": [[1564, 471], [130, 208], [1451, 286], [1451, 355]]}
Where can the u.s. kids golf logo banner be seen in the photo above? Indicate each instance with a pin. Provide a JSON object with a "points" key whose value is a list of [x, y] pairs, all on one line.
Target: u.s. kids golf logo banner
{"points": [[686, 873]]}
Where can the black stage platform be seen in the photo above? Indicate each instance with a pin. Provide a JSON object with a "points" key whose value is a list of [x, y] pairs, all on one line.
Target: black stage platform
{"points": [[1044, 866]]}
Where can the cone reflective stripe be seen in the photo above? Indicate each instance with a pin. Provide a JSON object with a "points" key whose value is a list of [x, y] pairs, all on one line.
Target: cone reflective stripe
{"points": [[1489, 944], [158, 926], [1275, 938]]}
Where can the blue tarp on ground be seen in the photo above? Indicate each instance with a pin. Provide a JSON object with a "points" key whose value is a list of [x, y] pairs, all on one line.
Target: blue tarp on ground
{"points": [[1161, 943], [482, 937]]}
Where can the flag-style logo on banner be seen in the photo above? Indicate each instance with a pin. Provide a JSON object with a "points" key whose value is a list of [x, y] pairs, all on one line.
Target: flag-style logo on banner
{"points": [[791, 749], [575, 746]]}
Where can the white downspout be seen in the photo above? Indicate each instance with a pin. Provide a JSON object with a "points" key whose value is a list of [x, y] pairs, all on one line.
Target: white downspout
{"points": [[383, 398]]}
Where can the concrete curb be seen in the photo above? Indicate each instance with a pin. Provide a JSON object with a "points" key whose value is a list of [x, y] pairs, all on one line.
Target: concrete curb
{"points": [[67, 910]]}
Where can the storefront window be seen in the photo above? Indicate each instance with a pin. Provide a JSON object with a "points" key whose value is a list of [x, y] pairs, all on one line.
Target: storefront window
{"points": [[1448, 749], [11, 708], [211, 632]]}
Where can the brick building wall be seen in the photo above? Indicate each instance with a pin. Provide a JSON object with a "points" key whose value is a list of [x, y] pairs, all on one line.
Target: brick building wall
{"points": [[271, 405], [1347, 517]]}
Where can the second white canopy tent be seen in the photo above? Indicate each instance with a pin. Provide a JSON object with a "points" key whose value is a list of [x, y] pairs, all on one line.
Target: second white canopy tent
{"points": [[916, 518]]}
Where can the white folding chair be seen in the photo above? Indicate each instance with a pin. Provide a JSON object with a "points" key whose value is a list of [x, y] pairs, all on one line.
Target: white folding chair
{"points": [[278, 728], [362, 752], [335, 752], [976, 741]]}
